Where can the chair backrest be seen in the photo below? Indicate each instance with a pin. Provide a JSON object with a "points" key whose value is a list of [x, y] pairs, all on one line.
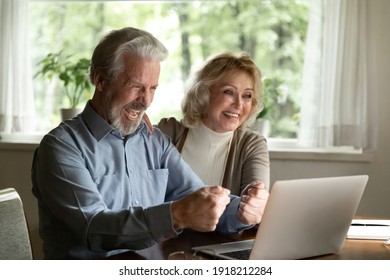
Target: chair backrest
{"points": [[14, 236]]}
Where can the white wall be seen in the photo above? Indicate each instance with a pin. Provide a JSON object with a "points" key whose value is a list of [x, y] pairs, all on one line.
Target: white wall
{"points": [[15, 160], [377, 199]]}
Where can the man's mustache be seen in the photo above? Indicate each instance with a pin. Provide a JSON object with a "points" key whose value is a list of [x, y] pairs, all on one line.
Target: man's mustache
{"points": [[136, 106]]}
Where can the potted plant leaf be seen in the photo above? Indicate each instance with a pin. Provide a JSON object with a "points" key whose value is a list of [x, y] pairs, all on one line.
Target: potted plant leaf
{"points": [[275, 94], [74, 77], [269, 95]]}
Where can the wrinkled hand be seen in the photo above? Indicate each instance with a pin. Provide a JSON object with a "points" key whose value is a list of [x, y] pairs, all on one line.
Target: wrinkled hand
{"points": [[200, 210], [253, 201], [149, 125]]}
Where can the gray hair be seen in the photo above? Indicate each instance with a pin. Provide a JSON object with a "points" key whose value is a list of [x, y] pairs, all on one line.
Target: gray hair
{"points": [[107, 57]]}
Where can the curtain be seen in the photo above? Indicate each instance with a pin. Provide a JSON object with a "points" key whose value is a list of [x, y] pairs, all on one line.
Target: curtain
{"points": [[17, 110], [337, 109]]}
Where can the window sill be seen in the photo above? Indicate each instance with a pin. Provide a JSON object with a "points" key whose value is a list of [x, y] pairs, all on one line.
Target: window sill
{"points": [[20, 142], [320, 155], [6, 145], [288, 149], [276, 153]]}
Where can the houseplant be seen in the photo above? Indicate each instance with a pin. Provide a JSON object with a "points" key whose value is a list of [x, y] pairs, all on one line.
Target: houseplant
{"points": [[273, 94], [269, 96], [74, 77]]}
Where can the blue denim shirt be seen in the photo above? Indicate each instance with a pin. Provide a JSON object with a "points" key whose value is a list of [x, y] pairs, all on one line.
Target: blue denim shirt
{"points": [[99, 193]]}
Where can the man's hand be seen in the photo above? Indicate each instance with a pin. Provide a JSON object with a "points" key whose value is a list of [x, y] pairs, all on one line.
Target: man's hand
{"points": [[253, 201], [200, 210]]}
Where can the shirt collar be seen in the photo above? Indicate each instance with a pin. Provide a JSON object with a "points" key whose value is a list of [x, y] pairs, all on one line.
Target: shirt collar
{"points": [[99, 127]]}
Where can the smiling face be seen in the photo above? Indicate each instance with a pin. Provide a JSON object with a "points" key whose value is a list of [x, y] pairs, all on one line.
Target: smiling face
{"points": [[230, 102], [127, 97]]}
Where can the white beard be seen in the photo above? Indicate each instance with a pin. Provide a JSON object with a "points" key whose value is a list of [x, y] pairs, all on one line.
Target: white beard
{"points": [[125, 130], [114, 117]]}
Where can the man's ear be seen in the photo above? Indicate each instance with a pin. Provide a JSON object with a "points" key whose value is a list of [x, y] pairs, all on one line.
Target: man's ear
{"points": [[99, 80]]}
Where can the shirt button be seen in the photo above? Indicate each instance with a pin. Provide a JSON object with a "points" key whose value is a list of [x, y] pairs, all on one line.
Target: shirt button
{"points": [[97, 181]]}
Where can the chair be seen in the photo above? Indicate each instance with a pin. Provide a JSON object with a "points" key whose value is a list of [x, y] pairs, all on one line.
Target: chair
{"points": [[14, 235]]}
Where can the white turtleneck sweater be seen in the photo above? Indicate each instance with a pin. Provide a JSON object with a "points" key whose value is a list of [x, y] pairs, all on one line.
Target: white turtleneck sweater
{"points": [[206, 152]]}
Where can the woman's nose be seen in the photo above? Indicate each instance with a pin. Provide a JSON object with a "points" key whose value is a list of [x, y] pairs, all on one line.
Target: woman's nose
{"points": [[237, 101]]}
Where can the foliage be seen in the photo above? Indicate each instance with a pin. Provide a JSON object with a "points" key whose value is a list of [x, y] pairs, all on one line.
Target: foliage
{"points": [[272, 32], [74, 75], [274, 92]]}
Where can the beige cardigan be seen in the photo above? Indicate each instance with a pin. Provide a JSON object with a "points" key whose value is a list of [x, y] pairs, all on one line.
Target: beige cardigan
{"points": [[248, 158]]}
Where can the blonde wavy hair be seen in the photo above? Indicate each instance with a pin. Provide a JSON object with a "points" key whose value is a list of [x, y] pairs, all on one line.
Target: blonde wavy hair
{"points": [[197, 94]]}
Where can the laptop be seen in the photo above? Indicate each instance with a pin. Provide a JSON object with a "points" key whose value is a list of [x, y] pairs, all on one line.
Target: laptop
{"points": [[303, 218]]}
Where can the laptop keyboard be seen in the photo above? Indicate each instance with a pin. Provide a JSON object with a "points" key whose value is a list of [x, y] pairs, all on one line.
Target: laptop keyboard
{"points": [[238, 255]]}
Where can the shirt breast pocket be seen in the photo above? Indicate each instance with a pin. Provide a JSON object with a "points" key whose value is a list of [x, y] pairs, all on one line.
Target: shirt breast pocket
{"points": [[156, 187]]}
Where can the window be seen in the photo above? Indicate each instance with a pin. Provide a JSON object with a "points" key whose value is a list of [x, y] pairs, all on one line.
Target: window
{"points": [[329, 70], [272, 32]]}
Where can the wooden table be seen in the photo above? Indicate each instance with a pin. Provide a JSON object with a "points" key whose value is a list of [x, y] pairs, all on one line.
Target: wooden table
{"points": [[180, 247]]}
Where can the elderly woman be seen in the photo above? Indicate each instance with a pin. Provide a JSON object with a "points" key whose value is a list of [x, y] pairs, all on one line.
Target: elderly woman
{"points": [[222, 99]]}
